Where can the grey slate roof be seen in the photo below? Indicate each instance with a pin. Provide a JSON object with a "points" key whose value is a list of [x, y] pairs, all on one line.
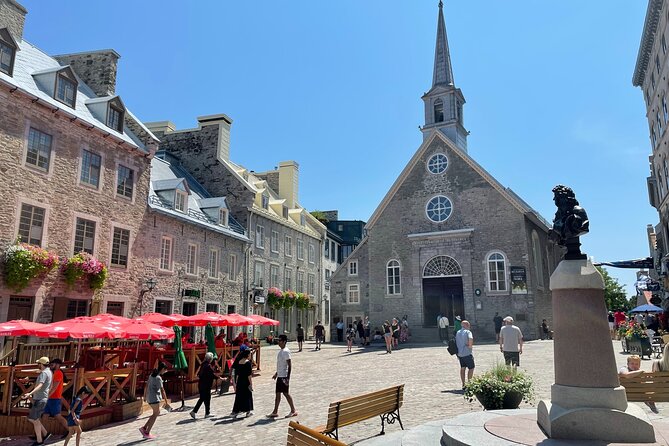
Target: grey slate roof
{"points": [[169, 184], [216, 202], [443, 72]]}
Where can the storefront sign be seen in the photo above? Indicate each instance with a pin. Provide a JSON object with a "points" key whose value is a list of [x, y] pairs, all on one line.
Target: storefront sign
{"points": [[518, 280]]}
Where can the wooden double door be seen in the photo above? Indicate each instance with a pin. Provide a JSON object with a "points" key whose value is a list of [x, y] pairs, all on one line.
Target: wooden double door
{"points": [[443, 296]]}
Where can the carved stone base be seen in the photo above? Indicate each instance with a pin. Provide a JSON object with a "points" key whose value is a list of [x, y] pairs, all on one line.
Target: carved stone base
{"points": [[592, 423]]}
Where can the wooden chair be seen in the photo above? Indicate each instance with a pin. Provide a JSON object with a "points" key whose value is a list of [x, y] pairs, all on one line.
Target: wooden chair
{"points": [[299, 435]]}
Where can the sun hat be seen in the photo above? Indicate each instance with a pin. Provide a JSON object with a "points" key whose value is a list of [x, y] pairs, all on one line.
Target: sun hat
{"points": [[508, 319], [43, 360]]}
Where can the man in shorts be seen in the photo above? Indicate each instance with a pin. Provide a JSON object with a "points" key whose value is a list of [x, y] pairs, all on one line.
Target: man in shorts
{"points": [[40, 395], [282, 377], [54, 403], [465, 341], [511, 342], [319, 334]]}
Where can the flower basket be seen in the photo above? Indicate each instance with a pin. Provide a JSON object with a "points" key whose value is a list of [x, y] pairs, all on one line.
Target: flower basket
{"points": [[85, 266], [289, 299], [503, 387], [24, 262], [302, 301], [275, 298]]}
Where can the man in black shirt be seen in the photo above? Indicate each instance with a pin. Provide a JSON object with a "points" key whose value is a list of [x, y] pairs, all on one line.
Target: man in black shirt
{"points": [[319, 334]]}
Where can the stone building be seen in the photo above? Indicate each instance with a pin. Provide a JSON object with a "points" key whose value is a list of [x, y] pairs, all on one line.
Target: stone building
{"points": [[75, 172], [651, 74], [447, 238], [286, 239]]}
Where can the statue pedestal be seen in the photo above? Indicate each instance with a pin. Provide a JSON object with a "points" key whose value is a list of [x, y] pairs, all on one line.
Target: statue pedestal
{"points": [[587, 401]]}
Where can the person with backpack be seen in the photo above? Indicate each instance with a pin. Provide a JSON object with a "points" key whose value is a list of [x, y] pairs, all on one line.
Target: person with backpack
{"points": [[465, 341]]}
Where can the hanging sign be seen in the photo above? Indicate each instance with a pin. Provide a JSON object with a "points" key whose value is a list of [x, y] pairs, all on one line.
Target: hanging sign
{"points": [[518, 280]]}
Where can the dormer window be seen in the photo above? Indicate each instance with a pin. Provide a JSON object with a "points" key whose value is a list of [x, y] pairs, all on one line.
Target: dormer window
{"points": [[7, 52], [181, 201], [115, 118], [303, 220], [223, 217], [66, 89], [265, 201], [285, 211]]}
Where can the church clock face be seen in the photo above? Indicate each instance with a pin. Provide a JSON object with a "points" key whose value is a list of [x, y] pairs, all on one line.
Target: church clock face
{"points": [[437, 163], [439, 208]]}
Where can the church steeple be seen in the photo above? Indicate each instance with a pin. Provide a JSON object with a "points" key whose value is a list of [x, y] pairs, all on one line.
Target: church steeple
{"points": [[444, 102], [443, 72]]}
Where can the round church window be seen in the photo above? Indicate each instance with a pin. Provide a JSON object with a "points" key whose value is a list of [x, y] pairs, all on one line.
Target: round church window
{"points": [[438, 209], [437, 163]]}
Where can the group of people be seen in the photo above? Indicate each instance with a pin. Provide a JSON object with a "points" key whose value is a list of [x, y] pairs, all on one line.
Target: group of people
{"points": [[46, 395], [646, 320], [510, 339]]}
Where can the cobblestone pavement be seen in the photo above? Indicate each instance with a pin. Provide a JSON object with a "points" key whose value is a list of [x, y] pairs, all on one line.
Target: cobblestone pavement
{"points": [[430, 375]]}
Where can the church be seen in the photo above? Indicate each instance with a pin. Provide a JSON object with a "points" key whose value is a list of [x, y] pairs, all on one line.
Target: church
{"points": [[448, 238]]}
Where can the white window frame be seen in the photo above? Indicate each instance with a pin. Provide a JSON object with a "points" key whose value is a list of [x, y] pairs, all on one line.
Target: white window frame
{"points": [[350, 293], [36, 167], [299, 281], [288, 246], [211, 302], [311, 284], [288, 277], [95, 234], [274, 241], [440, 167], [223, 217], [134, 182], [45, 222], [489, 280], [215, 255], [393, 277], [180, 201], [274, 275], [90, 186], [232, 267], [300, 249], [312, 253], [427, 208], [260, 236], [170, 299], [352, 267], [111, 247], [259, 279], [191, 259], [170, 254]]}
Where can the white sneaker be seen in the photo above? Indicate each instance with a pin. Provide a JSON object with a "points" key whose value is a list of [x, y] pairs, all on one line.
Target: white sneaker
{"points": [[192, 414], [249, 414], [208, 415]]}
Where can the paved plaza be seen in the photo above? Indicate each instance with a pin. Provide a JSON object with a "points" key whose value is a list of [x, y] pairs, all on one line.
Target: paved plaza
{"points": [[432, 392]]}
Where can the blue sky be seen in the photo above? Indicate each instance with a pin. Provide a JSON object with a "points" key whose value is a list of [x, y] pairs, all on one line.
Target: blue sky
{"points": [[336, 86]]}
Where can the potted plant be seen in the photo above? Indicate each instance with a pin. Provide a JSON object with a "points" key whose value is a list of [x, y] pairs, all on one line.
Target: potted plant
{"points": [[84, 265], [636, 340], [289, 298], [275, 298], [24, 262], [502, 387], [302, 301]]}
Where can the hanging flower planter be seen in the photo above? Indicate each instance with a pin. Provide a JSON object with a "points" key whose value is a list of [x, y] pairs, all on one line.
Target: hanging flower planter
{"points": [[24, 262], [289, 298], [302, 301], [85, 266], [275, 298]]}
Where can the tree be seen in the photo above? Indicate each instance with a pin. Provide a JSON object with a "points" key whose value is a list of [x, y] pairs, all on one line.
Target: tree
{"points": [[320, 216], [614, 293]]}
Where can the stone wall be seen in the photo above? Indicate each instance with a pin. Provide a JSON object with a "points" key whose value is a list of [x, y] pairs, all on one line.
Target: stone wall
{"points": [[96, 68], [13, 17]]}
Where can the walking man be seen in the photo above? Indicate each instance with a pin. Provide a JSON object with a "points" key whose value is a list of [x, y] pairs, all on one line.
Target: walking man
{"points": [[511, 342], [465, 341], [54, 403], [40, 395], [497, 320], [319, 334], [443, 329], [300, 337], [340, 331], [206, 379], [282, 377]]}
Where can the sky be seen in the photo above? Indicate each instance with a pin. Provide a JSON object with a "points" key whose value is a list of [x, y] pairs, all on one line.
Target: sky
{"points": [[336, 86]]}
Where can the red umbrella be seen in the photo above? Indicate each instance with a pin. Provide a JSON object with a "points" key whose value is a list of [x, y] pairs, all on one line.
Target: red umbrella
{"points": [[160, 319], [80, 328], [19, 327], [137, 329], [202, 319], [111, 319], [235, 320], [261, 320]]}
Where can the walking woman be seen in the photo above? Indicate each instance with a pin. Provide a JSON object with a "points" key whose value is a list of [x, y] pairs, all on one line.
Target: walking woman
{"points": [[350, 336], [404, 329], [154, 394], [361, 332], [244, 388], [205, 381], [73, 423], [396, 332], [388, 336]]}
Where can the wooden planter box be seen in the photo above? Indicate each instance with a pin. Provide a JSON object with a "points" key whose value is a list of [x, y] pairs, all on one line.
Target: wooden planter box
{"points": [[125, 411]]}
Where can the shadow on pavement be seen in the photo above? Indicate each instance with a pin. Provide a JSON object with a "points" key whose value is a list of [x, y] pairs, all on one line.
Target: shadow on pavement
{"points": [[454, 391], [263, 421], [130, 443], [190, 420]]}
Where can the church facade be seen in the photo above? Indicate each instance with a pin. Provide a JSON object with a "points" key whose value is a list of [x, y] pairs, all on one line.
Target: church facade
{"points": [[448, 238]]}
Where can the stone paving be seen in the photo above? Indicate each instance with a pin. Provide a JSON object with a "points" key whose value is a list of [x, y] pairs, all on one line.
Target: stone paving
{"points": [[432, 392]]}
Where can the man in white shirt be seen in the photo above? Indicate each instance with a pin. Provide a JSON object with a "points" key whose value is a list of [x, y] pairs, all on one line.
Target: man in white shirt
{"points": [[443, 328], [511, 342], [282, 377]]}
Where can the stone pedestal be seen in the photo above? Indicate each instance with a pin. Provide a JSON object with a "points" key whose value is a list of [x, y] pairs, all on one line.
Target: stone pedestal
{"points": [[587, 401]]}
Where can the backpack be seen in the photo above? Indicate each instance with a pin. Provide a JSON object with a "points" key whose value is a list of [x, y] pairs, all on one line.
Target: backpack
{"points": [[452, 347]]}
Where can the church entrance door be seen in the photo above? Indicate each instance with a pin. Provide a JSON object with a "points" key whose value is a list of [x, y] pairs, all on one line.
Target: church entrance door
{"points": [[442, 290]]}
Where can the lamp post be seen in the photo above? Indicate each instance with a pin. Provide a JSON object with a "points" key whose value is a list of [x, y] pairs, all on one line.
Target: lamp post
{"points": [[150, 284]]}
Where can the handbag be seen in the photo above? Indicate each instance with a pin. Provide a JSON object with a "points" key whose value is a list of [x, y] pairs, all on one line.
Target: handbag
{"points": [[452, 347]]}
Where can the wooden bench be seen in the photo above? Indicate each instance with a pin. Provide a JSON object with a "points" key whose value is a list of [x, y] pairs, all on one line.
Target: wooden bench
{"points": [[650, 386], [385, 403], [299, 435]]}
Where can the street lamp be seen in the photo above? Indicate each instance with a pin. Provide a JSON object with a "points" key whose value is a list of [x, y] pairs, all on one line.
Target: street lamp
{"points": [[150, 284]]}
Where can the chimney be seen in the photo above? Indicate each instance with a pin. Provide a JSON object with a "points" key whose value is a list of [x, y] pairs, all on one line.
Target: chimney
{"points": [[13, 17], [96, 68], [159, 128], [288, 175], [224, 123]]}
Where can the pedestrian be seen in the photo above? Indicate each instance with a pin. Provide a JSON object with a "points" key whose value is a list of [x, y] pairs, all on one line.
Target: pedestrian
{"points": [[244, 389], [154, 394], [443, 329], [511, 342], [546, 331], [300, 337], [497, 320], [350, 336], [457, 324], [319, 334], [388, 336], [73, 423], [368, 333], [404, 329], [282, 377], [465, 342], [361, 332], [340, 331], [206, 377], [40, 395], [396, 332], [612, 324], [54, 404]]}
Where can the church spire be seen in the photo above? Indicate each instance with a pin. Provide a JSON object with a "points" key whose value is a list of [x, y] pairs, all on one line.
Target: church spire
{"points": [[443, 73]]}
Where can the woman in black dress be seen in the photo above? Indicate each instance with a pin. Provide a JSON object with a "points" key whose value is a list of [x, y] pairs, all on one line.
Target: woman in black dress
{"points": [[395, 327], [244, 386]]}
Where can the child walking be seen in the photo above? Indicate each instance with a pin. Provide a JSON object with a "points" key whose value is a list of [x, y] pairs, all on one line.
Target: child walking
{"points": [[73, 423], [350, 336]]}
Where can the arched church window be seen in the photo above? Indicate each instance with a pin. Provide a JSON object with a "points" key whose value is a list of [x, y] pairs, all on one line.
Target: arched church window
{"points": [[439, 208], [393, 277], [437, 163], [496, 265], [438, 110], [441, 266]]}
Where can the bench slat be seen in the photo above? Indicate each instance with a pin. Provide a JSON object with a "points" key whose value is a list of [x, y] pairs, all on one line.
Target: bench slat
{"points": [[363, 407], [299, 435], [364, 413], [361, 404], [377, 392], [652, 386]]}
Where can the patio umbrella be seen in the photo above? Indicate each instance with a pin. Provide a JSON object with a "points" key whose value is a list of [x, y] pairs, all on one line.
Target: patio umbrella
{"points": [[80, 328], [211, 342], [648, 307], [202, 319], [235, 320], [19, 327], [179, 360], [261, 320], [159, 318], [134, 329]]}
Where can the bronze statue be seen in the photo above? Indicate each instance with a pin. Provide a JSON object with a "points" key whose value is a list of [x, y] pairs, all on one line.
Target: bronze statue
{"points": [[570, 222]]}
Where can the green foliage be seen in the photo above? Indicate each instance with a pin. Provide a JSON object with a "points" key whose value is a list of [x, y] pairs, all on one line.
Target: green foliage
{"points": [[495, 383], [24, 262], [302, 301], [320, 216], [85, 265], [614, 293]]}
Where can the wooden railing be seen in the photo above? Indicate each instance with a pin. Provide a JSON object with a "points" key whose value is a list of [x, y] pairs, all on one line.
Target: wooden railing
{"points": [[28, 353]]}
